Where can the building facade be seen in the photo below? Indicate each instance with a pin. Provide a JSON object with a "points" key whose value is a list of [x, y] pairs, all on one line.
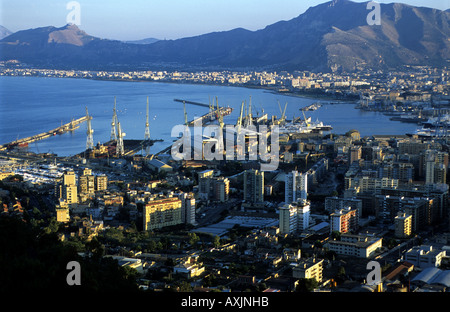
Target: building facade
{"points": [[344, 220], [253, 186], [164, 212], [296, 187]]}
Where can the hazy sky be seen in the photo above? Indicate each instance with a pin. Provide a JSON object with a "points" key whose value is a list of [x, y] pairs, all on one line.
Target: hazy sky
{"points": [[170, 19]]}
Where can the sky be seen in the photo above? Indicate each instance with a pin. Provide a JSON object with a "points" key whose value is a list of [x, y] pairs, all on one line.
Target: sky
{"points": [[162, 19]]}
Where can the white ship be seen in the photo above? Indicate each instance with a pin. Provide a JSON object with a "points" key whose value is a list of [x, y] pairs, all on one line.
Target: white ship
{"points": [[304, 126]]}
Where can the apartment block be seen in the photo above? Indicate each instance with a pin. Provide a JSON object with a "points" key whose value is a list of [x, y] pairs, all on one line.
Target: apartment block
{"points": [[296, 187], [309, 268], [355, 245], [425, 256], [402, 225], [164, 212], [253, 186], [294, 217], [344, 220]]}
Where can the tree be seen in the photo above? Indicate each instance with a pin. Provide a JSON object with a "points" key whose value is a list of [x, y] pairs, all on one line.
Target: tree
{"points": [[216, 241], [306, 285], [193, 238], [336, 235]]}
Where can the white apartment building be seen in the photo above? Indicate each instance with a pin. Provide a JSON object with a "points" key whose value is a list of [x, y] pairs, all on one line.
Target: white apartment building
{"points": [[294, 217], [425, 256], [355, 245], [296, 187]]}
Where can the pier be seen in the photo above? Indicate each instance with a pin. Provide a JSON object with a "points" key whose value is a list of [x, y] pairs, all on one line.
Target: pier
{"points": [[192, 103], [60, 130]]}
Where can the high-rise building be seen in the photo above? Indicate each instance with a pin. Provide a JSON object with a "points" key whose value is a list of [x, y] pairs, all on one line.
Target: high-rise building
{"points": [[101, 183], [164, 212], [187, 208], [344, 220], [69, 178], [296, 187], [334, 203], [403, 225], [67, 190], [86, 184], [159, 213], [294, 217], [253, 186], [354, 154], [288, 219], [205, 183], [62, 212], [221, 189], [436, 166]]}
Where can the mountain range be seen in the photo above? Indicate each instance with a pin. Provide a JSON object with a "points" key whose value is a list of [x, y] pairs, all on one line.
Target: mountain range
{"points": [[333, 36]]}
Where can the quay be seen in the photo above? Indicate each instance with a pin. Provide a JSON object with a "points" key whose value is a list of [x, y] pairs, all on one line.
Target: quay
{"points": [[74, 124]]}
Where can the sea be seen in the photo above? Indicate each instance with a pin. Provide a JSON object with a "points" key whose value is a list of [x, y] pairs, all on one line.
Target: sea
{"points": [[32, 105]]}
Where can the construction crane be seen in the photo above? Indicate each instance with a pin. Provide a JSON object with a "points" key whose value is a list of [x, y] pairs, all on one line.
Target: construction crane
{"points": [[248, 117], [306, 120], [239, 121], [147, 132], [89, 132], [211, 109], [282, 112], [186, 123], [219, 115], [120, 151], [114, 123]]}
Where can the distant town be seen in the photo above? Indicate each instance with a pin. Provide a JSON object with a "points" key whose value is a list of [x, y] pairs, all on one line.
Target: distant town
{"points": [[335, 203], [412, 84]]}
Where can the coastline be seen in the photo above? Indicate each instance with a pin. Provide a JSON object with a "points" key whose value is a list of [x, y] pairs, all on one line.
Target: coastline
{"points": [[321, 95]]}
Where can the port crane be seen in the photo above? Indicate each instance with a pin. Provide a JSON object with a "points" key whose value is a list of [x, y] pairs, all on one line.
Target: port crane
{"points": [[89, 132], [119, 147], [147, 132], [114, 123]]}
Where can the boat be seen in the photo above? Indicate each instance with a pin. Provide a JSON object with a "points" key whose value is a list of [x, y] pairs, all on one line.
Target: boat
{"points": [[304, 126], [437, 122], [409, 118]]}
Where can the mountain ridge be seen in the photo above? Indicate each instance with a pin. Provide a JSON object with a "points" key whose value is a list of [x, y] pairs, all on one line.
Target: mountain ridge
{"points": [[332, 36]]}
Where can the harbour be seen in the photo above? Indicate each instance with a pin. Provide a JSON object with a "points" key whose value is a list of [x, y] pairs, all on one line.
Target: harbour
{"points": [[164, 112]]}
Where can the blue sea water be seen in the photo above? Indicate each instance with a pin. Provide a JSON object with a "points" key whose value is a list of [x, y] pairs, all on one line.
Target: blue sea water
{"points": [[32, 105]]}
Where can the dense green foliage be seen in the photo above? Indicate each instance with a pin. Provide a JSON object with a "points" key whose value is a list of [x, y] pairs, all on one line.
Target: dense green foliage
{"points": [[32, 259]]}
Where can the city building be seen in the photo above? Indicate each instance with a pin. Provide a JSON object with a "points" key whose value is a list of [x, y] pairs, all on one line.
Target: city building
{"points": [[402, 225], [425, 256], [62, 212], [67, 190], [101, 183], [164, 212], [221, 189], [294, 217], [344, 220], [354, 154], [189, 268], [187, 208], [205, 183], [355, 245], [296, 187], [309, 268], [253, 187], [436, 165], [159, 166], [334, 203], [86, 182]]}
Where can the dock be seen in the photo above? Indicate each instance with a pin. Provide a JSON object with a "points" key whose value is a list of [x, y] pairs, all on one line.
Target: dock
{"points": [[70, 126], [192, 103]]}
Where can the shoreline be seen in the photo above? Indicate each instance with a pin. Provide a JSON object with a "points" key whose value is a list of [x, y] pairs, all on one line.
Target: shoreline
{"points": [[274, 90]]}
